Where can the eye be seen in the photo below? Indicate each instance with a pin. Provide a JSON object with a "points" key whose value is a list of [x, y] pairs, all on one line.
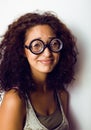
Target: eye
{"points": [[55, 44], [36, 45]]}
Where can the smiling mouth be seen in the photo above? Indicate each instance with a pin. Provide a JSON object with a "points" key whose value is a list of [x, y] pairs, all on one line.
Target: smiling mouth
{"points": [[46, 62]]}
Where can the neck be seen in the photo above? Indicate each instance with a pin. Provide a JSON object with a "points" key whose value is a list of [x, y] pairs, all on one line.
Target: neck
{"points": [[40, 81]]}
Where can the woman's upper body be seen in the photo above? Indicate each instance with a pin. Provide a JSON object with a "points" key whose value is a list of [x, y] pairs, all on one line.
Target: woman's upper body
{"points": [[24, 116], [37, 61]]}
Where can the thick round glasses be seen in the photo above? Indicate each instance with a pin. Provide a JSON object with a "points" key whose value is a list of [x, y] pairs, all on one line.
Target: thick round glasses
{"points": [[37, 46]]}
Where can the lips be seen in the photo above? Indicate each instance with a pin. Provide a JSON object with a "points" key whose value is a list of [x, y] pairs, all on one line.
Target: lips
{"points": [[47, 61]]}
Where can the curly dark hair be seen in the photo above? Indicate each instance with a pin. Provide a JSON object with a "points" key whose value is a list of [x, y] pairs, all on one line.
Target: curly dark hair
{"points": [[14, 67]]}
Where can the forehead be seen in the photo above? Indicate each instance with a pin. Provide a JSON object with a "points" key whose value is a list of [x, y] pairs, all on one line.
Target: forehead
{"points": [[39, 31]]}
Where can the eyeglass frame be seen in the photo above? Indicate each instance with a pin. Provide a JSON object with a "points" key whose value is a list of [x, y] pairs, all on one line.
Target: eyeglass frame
{"points": [[45, 46]]}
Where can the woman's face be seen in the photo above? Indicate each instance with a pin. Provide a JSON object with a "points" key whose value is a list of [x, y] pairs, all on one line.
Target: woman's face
{"points": [[47, 60]]}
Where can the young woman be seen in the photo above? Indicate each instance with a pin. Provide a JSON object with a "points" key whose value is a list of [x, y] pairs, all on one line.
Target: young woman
{"points": [[38, 54]]}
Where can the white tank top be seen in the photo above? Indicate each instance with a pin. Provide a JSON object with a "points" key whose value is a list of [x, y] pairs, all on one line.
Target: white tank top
{"points": [[32, 122]]}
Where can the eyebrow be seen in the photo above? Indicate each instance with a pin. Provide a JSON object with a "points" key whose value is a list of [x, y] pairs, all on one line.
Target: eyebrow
{"points": [[49, 38], [52, 37]]}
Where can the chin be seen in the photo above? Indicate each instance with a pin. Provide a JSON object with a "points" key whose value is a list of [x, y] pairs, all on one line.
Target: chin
{"points": [[47, 71]]}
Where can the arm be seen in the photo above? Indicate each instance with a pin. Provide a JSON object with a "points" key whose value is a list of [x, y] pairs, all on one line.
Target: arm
{"points": [[12, 112]]}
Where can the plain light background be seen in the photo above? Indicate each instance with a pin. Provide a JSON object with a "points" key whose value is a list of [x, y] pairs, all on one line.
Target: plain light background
{"points": [[76, 14]]}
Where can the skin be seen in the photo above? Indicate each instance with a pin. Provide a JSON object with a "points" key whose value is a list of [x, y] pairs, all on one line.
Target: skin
{"points": [[44, 63], [12, 110]]}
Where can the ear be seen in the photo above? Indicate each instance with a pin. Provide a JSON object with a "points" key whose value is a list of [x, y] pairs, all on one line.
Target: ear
{"points": [[24, 53]]}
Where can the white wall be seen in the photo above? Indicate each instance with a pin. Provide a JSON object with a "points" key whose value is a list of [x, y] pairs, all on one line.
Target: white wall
{"points": [[77, 15]]}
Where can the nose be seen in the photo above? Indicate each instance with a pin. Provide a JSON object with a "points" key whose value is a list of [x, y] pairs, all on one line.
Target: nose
{"points": [[47, 52]]}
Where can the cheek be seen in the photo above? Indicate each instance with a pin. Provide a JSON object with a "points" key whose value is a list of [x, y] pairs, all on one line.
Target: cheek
{"points": [[57, 57], [30, 57]]}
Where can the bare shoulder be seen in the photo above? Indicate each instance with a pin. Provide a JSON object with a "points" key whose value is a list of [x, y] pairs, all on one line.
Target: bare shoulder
{"points": [[12, 99], [12, 110], [64, 97]]}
